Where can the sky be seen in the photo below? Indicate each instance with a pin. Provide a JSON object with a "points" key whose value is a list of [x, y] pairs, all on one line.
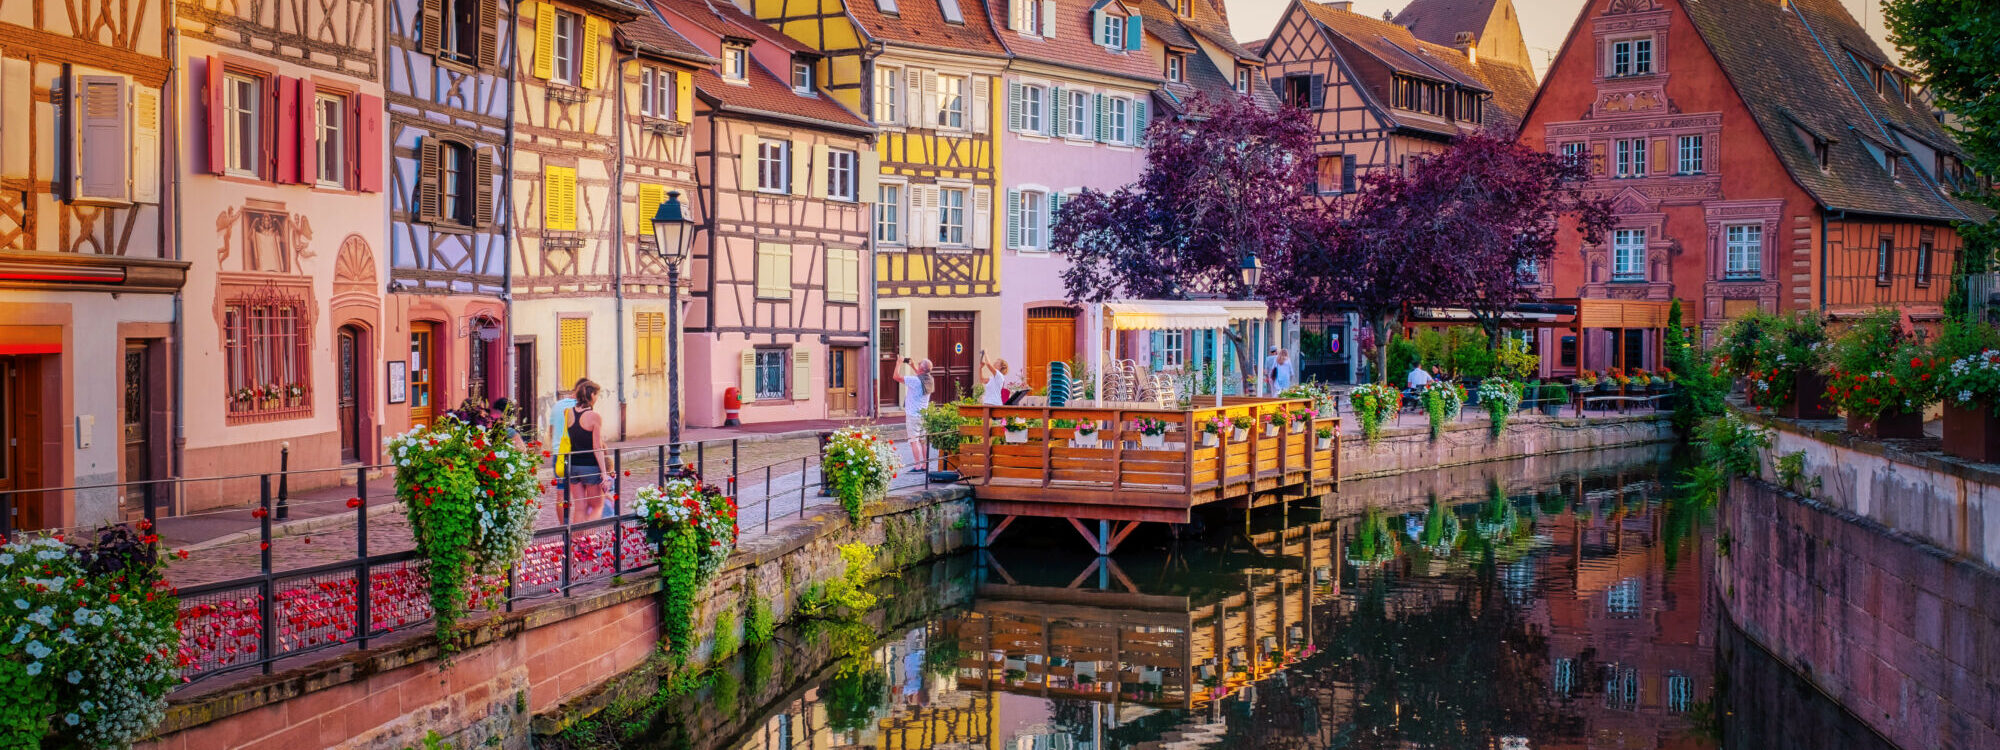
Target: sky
{"points": [[1544, 23]]}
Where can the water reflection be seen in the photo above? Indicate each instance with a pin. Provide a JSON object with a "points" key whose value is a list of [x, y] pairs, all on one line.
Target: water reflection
{"points": [[1570, 612]]}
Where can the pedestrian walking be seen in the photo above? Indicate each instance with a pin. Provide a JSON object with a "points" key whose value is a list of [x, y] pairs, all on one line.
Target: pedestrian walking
{"points": [[587, 457], [1282, 374], [917, 387]]}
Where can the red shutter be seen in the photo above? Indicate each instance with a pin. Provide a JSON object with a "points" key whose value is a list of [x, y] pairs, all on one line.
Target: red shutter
{"points": [[308, 129], [286, 122], [218, 158], [367, 153]]}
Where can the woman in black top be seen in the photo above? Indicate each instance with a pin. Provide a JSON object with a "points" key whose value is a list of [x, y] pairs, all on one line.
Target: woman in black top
{"points": [[586, 459]]}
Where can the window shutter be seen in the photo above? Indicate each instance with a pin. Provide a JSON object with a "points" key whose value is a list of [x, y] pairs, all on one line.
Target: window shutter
{"points": [[852, 269], [573, 338], [1049, 13], [922, 231], [489, 33], [1097, 23], [1141, 116], [1014, 106], [366, 156], [559, 194], [1660, 163], [485, 162], [1135, 32], [870, 178], [1014, 13], [1156, 345], [430, 26], [1103, 133], [1317, 96], [650, 198], [746, 173], [1056, 201], [982, 94], [820, 172], [545, 41], [801, 374], [593, 27], [982, 218], [218, 156], [1057, 115], [683, 96], [1347, 173], [835, 292], [927, 94], [1597, 158], [307, 161], [98, 106], [801, 177], [1013, 218], [145, 145], [746, 385], [430, 158], [287, 124]]}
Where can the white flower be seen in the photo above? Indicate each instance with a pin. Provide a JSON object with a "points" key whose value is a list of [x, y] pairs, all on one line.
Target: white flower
{"points": [[34, 668], [1965, 396], [74, 677]]}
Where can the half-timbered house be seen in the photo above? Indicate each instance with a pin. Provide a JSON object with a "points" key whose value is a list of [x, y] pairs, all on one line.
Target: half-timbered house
{"points": [[1758, 155], [780, 309], [1194, 36], [88, 266], [923, 71], [283, 218], [564, 262], [445, 320]]}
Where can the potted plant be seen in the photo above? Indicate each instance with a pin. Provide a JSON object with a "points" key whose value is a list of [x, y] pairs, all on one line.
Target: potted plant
{"points": [[1881, 379], [1301, 418], [1085, 435], [1239, 427], [1972, 407], [1152, 433], [1374, 404], [1211, 430], [1323, 437], [1016, 429], [1501, 397], [1273, 421], [1638, 381], [295, 394]]}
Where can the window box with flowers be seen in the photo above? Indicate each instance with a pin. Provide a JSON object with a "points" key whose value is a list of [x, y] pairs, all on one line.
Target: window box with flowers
{"points": [[1300, 418], [1152, 433], [1085, 435], [1881, 379], [1273, 421], [1016, 430], [266, 346], [1972, 407], [1239, 428], [1211, 430]]}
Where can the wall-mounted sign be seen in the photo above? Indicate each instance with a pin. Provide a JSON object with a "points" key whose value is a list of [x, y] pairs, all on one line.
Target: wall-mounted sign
{"points": [[399, 381]]}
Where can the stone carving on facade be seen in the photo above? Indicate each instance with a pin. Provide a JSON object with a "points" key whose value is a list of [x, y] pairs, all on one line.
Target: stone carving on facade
{"points": [[1620, 7], [1629, 102]]}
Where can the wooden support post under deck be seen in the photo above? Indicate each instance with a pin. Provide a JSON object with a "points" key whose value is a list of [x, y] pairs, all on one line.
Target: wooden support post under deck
{"points": [[995, 533]]}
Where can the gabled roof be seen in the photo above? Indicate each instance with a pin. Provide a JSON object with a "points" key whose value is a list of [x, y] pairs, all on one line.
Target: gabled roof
{"points": [[1203, 75], [1395, 47], [1440, 21], [1513, 88], [1207, 22], [647, 34], [1073, 44], [722, 18], [761, 93], [1789, 65], [921, 23]]}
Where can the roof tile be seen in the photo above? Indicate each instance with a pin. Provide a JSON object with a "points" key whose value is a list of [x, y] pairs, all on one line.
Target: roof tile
{"points": [[1073, 44], [921, 23]]}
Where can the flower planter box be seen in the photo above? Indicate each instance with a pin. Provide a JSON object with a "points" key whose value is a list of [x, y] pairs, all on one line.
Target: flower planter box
{"points": [[1208, 439], [1298, 427], [1238, 434], [1972, 433], [1270, 430], [1325, 443], [1153, 442], [1808, 398], [1898, 424], [1015, 437]]}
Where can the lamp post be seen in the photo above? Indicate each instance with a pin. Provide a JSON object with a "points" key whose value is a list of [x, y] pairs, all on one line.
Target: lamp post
{"points": [[1253, 272], [673, 235]]}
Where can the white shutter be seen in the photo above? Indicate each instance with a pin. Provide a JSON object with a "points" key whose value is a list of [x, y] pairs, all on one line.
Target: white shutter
{"points": [[1014, 13], [747, 374], [1097, 26], [801, 374], [982, 95], [982, 218], [820, 171], [146, 117], [1013, 218], [924, 215], [1014, 106], [99, 116], [869, 179], [929, 97], [802, 168], [1049, 13]]}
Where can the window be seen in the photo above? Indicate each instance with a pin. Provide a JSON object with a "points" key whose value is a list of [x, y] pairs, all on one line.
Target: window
{"points": [[1690, 155], [774, 166], [243, 111], [1924, 263], [1566, 352], [1184, 7], [657, 91], [802, 77], [649, 343], [1327, 180], [1242, 80], [1623, 598], [1028, 220], [735, 62], [1173, 348], [886, 6], [1574, 150], [1031, 16], [1745, 251], [1112, 32], [888, 95], [1565, 676], [1628, 255], [331, 138], [568, 69], [889, 215], [1118, 120], [1632, 157], [1174, 63], [840, 175], [952, 13], [951, 216], [265, 348], [951, 101], [771, 373], [458, 29], [1528, 272], [1079, 114], [1298, 91], [843, 274], [1032, 119], [1632, 57], [455, 183], [1885, 261], [1680, 692], [774, 271]]}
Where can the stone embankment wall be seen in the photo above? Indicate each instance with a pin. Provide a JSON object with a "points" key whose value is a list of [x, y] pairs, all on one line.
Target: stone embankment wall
{"points": [[543, 656], [1406, 449], [1901, 632]]}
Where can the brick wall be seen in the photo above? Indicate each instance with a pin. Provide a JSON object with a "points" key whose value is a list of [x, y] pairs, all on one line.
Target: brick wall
{"points": [[1903, 634]]}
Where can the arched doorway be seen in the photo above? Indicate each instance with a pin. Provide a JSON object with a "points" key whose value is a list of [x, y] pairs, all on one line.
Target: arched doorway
{"points": [[351, 361]]}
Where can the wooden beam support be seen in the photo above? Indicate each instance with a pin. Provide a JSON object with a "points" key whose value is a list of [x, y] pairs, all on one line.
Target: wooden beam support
{"points": [[1095, 543], [995, 533]]}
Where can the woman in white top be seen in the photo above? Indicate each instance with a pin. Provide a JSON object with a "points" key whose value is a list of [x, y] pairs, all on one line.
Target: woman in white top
{"points": [[997, 382], [917, 387]]}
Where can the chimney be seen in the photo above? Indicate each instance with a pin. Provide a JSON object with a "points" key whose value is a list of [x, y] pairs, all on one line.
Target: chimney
{"points": [[1464, 42]]}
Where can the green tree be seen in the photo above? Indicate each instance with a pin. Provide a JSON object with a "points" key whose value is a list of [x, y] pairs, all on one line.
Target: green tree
{"points": [[1951, 44]]}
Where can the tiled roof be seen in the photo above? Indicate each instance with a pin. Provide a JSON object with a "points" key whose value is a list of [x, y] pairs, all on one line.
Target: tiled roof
{"points": [[1396, 47], [1170, 31], [921, 23], [1789, 65], [1439, 21], [1073, 44], [648, 32], [1204, 76], [764, 94], [1208, 22], [723, 18], [1513, 89]]}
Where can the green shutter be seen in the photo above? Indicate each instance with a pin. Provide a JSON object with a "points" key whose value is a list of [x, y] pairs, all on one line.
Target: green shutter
{"points": [[1014, 106], [1135, 30], [1103, 132], [1055, 205], [1139, 117], [1013, 218], [1058, 115]]}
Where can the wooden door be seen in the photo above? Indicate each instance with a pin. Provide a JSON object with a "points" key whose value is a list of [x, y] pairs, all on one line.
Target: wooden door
{"points": [[1051, 338], [22, 437], [135, 428], [843, 393], [524, 386], [951, 355], [889, 335], [476, 369], [423, 373], [347, 358]]}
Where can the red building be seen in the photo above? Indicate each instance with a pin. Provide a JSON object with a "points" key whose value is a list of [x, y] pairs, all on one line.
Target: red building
{"points": [[1760, 154]]}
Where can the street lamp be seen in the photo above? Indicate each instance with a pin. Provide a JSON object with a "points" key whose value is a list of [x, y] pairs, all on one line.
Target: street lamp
{"points": [[673, 235], [1252, 271]]}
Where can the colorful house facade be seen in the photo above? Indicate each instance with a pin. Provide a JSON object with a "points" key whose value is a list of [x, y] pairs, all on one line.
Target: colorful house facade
{"points": [[88, 266], [780, 308], [924, 72], [445, 319], [282, 161], [1758, 155]]}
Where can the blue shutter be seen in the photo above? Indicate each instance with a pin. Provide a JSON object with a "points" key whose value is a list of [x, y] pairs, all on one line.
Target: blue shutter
{"points": [[1135, 30], [1156, 343]]}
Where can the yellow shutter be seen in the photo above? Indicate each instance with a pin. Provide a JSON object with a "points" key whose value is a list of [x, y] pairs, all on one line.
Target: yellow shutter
{"points": [[774, 270], [650, 198], [559, 198], [843, 274], [870, 177], [747, 382], [545, 41], [801, 374], [593, 28], [820, 163], [747, 162], [574, 338], [802, 168], [683, 96]]}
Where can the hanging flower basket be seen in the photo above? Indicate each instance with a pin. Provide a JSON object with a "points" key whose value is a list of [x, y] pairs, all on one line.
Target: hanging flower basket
{"points": [[693, 528], [1152, 433], [1016, 431]]}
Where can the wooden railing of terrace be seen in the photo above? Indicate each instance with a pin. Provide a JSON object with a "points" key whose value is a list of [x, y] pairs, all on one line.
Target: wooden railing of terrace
{"points": [[1049, 471]]}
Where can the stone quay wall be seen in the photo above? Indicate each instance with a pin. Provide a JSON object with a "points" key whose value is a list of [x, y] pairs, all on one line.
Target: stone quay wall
{"points": [[1408, 450], [546, 658]]}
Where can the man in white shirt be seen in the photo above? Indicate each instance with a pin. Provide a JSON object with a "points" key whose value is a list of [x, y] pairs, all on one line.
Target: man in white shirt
{"points": [[1419, 378]]}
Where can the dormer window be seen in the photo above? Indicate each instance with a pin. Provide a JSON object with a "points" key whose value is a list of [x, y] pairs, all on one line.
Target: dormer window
{"points": [[1242, 80], [952, 14], [1184, 7], [1111, 32], [1632, 57], [886, 6], [735, 63], [802, 77], [1175, 63]]}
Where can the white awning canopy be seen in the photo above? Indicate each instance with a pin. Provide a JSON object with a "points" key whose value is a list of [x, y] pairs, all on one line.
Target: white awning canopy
{"points": [[1170, 315]]}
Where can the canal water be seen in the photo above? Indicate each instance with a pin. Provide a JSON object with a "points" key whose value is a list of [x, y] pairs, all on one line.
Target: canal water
{"points": [[1562, 602]]}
